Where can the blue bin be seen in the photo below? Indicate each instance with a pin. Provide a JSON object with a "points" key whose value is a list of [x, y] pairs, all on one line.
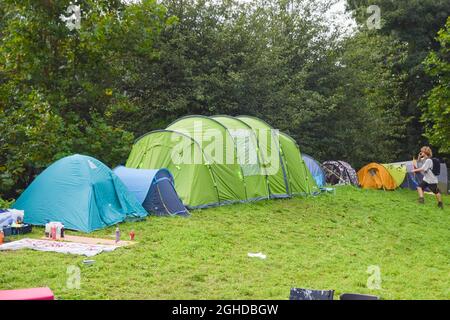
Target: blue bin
{"points": [[7, 231]]}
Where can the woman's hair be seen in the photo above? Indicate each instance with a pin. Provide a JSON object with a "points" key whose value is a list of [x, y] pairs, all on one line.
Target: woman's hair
{"points": [[427, 151]]}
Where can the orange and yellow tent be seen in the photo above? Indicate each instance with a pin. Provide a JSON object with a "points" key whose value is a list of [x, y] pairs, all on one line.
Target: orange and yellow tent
{"points": [[375, 176]]}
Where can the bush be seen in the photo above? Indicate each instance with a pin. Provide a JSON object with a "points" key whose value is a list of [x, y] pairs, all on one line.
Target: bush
{"points": [[4, 204]]}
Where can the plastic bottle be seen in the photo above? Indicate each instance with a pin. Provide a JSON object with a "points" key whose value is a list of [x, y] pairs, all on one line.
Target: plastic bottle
{"points": [[117, 234], [47, 230], [53, 232], [2, 237], [62, 231], [132, 234], [58, 231]]}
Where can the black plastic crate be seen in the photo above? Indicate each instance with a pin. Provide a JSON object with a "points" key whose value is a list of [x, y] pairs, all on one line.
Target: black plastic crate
{"points": [[26, 228]]}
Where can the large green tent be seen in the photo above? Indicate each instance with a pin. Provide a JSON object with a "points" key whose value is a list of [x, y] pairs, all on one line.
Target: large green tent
{"points": [[222, 159]]}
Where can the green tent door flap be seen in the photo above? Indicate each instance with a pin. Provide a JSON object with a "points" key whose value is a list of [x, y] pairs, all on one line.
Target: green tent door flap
{"points": [[248, 156], [268, 140], [218, 148]]}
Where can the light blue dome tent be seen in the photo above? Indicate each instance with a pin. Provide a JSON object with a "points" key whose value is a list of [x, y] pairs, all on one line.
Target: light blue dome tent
{"points": [[315, 169], [82, 193], [154, 189]]}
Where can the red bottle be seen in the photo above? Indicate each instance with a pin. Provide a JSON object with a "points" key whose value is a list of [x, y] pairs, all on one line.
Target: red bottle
{"points": [[53, 232], [132, 234]]}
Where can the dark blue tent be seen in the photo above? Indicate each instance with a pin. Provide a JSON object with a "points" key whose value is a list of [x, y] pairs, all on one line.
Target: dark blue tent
{"points": [[315, 169], [154, 189]]}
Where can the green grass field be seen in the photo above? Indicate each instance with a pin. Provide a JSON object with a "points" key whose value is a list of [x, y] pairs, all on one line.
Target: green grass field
{"points": [[325, 242]]}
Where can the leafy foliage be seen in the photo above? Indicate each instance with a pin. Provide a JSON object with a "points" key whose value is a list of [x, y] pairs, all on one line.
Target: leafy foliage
{"points": [[283, 65], [133, 68], [62, 90], [437, 109], [4, 204], [414, 23]]}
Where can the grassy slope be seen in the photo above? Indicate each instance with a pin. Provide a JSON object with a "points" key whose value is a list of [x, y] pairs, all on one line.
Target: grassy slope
{"points": [[326, 242]]}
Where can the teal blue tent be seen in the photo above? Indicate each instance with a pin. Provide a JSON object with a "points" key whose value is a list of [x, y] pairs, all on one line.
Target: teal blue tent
{"points": [[82, 193]]}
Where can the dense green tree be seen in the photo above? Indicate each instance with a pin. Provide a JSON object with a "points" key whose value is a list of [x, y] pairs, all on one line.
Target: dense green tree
{"points": [[416, 23], [133, 68], [437, 106], [279, 63], [63, 90]]}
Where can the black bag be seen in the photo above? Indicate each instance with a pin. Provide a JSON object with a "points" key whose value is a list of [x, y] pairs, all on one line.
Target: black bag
{"points": [[308, 294], [436, 166]]}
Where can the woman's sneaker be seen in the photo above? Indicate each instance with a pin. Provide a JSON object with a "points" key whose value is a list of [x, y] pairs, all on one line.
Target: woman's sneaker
{"points": [[440, 205], [421, 200]]}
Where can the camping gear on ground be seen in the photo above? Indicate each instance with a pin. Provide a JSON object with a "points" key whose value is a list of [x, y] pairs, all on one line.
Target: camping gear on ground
{"points": [[220, 160], [80, 192], [340, 172], [375, 176], [7, 231], [54, 230], [18, 229], [310, 294], [88, 250], [2, 236], [11, 222], [10, 216], [88, 262], [412, 180], [27, 294], [132, 235], [357, 296], [47, 230], [6, 220], [315, 169], [154, 189]]}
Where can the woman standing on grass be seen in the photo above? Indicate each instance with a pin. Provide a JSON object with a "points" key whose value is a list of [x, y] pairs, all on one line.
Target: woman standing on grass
{"points": [[429, 179]]}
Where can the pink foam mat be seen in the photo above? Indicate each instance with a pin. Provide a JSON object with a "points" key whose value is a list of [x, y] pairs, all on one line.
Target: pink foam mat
{"points": [[27, 294]]}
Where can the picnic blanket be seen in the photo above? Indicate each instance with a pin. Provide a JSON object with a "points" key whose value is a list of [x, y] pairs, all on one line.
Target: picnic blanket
{"points": [[88, 250]]}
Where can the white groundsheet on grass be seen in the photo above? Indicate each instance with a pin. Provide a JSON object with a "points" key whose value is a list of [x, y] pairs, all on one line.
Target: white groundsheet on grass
{"points": [[88, 250]]}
